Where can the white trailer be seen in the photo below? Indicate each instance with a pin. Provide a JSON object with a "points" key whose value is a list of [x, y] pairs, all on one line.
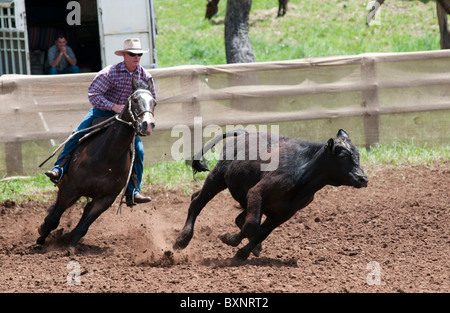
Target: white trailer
{"points": [[94, 29]]}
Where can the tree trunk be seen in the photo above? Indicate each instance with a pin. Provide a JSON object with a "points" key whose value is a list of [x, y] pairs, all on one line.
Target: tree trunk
{"points": [[443, 8], [238, 46]]}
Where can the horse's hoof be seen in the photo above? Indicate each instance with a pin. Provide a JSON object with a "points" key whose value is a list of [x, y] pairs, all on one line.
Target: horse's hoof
{"points": [[230, 239], [40, 241]]}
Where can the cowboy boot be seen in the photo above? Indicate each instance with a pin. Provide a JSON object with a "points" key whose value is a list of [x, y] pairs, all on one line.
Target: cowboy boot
{"points": [[135, 199], [55, 174]]}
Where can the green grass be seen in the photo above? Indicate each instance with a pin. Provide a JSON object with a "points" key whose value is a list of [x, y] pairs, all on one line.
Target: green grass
{"points": [[404, 153], [177, 175], [311, 28], [23, 188]]}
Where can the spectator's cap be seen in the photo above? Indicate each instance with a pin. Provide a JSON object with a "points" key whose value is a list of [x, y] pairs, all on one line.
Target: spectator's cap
{"points": [[131, 45]]}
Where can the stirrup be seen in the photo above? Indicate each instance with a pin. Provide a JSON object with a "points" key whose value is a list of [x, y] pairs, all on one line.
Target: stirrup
{"points": [[129, 203]]}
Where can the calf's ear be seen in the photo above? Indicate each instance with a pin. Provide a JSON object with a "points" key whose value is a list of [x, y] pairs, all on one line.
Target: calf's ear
{"points": [[342, 133]]}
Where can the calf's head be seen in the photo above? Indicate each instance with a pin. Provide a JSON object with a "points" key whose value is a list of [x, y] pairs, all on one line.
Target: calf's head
{"points": [[343, 162]]}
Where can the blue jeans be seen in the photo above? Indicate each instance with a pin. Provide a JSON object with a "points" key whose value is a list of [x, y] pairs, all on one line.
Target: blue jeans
{"points": [[87, 122], [68, 70]]}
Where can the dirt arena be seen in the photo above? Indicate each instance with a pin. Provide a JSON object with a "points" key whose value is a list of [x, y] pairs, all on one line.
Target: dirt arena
{"points": [[393, 236]]}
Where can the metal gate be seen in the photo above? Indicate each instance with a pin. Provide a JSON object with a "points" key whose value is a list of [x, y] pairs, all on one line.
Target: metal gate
{"points": [[14, 54]]}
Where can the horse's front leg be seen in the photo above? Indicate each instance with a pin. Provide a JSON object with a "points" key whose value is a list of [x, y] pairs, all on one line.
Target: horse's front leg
{"points": [[91, 212], [55, 212]]}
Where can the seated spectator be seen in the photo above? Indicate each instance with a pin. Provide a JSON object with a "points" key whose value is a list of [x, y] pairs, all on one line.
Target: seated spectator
{"points": [[60, 58]]}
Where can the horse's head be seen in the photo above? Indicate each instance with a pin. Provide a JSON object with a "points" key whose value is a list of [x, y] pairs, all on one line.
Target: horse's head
{"points": [[141, 106]]}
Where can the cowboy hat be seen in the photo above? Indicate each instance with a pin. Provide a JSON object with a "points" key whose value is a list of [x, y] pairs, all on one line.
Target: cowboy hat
{"points": [[131, 45]]}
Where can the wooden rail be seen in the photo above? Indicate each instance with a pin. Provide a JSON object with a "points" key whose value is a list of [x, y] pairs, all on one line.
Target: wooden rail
{"points": [[25, 100]]}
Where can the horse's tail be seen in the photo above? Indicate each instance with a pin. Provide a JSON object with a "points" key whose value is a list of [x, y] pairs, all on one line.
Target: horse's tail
{"points": [[198, 164]]}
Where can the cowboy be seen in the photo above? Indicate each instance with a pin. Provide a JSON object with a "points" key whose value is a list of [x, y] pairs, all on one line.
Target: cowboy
{"points": [[108, 93]]}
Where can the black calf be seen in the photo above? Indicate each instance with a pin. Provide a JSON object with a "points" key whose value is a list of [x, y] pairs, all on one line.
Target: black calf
{"points": [[302, 169]]}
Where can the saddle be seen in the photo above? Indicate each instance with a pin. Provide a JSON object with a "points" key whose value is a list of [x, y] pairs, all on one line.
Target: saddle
{"points": [[74, 155]]}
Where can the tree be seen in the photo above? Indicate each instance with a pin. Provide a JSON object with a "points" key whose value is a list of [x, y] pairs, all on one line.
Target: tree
{"points": [[443, 9], [238, 46]]}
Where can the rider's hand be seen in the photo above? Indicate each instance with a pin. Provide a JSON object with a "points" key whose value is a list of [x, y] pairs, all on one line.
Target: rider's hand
{"points": [[118, 108]]}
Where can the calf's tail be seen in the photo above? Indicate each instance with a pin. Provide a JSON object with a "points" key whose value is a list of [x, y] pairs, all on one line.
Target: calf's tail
{"points": [[198, 164]]}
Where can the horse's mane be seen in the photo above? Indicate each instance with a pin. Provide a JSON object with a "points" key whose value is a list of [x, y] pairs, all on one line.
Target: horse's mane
{"points": [[141, 84]]}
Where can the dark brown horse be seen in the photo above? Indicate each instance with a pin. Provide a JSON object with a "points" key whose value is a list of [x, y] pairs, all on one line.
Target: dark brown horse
{"points": [[212, 8], [99, 167]]}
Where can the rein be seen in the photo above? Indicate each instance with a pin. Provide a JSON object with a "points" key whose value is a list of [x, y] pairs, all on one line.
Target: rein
{"points": [[135, 126], [95, 129], [133, 154]]}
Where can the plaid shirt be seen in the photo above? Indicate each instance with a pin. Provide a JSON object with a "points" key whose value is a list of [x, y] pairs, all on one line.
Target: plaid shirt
{"points": [[112, 85]]}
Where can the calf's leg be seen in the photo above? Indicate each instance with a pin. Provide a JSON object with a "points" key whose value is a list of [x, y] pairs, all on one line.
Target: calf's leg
{"points": [[251, 221], [280, 216], [214, 184], [266, 228], [240, 222]]}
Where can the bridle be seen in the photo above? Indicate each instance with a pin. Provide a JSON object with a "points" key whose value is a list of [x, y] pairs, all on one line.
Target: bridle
{"points": [[134, 114]]}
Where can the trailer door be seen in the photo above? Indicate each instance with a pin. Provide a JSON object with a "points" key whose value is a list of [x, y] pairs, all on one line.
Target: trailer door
{"points": [[122, 19], [14, 56]]}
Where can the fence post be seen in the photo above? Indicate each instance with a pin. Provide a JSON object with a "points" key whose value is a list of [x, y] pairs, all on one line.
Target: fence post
{"points": [[13, 158], [191, 109], [370, 101]]}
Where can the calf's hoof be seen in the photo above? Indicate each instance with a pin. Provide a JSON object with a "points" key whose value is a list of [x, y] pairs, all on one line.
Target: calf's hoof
{"points": [[242, 255], [179, 245], [41, 229], [182, 241], [257, 250], [40, 241]]}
